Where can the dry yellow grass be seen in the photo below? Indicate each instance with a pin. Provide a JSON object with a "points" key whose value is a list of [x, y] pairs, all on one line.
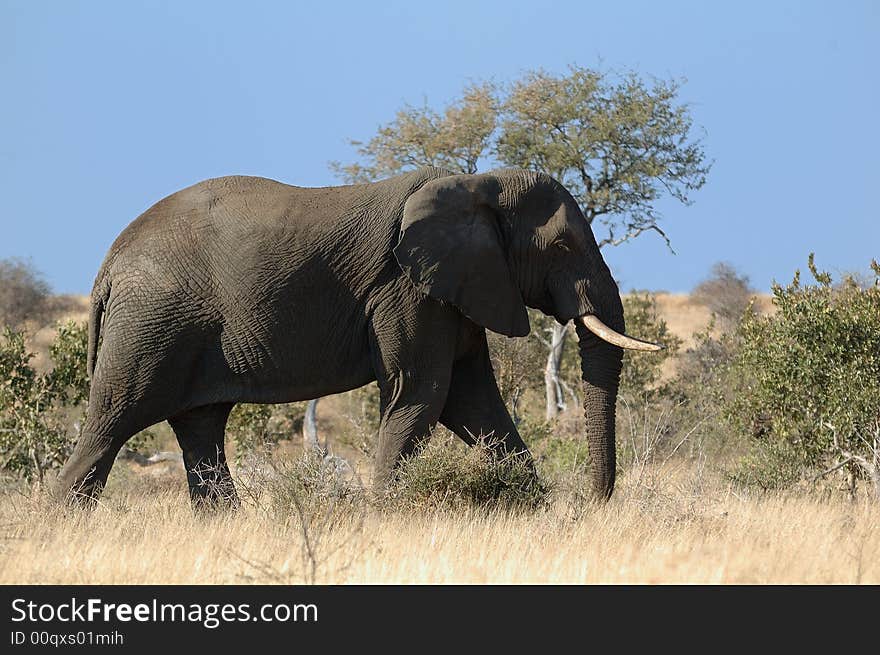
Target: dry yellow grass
{"points": [[679, 526]]}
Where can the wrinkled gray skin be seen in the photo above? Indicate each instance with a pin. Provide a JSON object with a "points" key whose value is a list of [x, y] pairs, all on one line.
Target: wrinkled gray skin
{"points": [[243, 289]]}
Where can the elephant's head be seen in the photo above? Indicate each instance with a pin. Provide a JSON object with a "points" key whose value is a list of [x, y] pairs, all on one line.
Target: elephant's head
{"points": [[495, 243]]}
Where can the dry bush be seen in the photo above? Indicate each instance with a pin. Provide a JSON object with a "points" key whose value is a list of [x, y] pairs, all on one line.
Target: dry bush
{"points": [[317, 494], [448, 474], [725, 292], [24, 293], [362, 416]]}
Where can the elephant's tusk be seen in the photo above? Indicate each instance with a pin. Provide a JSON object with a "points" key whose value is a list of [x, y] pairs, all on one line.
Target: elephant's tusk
{"points": [[605, 333]]}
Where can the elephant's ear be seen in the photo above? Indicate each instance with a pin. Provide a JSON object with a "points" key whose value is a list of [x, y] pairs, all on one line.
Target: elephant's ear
{"points": [[450, 247]]}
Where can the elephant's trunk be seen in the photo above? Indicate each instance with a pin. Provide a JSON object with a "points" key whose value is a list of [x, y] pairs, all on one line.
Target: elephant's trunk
{"points": [[600, 365]]}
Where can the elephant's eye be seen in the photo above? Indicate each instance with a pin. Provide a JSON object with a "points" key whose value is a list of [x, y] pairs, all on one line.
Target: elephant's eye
{"points": [[561, 245]]}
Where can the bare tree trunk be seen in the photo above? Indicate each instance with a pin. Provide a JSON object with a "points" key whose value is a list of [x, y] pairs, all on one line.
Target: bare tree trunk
{"points": [[35, 457], [554, 393], [310, 426], [869, 464], [875, 460], [514, 406]]}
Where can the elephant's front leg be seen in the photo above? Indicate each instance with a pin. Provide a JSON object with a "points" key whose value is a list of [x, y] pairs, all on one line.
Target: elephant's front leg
{"points": [[413, 352], [411, 407]]}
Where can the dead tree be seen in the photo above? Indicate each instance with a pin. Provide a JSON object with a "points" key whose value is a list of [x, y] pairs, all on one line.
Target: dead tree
{"points": [[554, 393], [310, 427]]}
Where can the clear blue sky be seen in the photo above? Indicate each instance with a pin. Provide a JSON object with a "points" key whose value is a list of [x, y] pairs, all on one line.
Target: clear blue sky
{"points": [[109, 106]]}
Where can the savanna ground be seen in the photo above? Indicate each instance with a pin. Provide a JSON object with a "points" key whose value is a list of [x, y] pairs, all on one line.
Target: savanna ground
{"points": [[676, 516], [672, 522]]}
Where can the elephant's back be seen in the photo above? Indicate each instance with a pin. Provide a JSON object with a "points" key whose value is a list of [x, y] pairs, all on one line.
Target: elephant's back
{"points": [[185, 249], [239, 212], [180, 216], [242, 206]]}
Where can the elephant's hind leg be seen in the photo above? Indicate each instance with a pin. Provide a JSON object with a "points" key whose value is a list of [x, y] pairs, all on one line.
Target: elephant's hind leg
{"points": [[200, 433], [85, 472], [111, 421]]}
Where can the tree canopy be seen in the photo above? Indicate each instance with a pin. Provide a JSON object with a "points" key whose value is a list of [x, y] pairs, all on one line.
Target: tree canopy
{"points": [[619, 143]]}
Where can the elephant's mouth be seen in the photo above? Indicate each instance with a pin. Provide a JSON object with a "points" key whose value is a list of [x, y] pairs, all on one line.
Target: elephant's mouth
{"points": [[597, 327]]}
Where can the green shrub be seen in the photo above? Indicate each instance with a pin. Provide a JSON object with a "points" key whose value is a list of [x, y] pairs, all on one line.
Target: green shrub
{"points": [[560, 456], [39, 411], [248, 428], [771, 465], [702, 383], [701, 369], [808, 377], [696, 396], [559, 447], [641, 374]]}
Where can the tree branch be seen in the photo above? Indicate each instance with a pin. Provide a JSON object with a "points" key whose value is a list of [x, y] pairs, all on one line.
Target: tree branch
{"points": [[833, 468], [633, 233]]}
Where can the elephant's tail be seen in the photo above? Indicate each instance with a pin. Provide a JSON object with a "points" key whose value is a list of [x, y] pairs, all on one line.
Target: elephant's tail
{"points": [[100, 294]]}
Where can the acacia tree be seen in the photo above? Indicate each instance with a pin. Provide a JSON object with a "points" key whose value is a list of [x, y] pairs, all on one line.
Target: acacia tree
{"points": [[618, 143]]}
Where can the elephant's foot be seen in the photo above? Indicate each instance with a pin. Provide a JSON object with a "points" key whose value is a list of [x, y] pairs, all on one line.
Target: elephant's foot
{"points": [[211, 488], [200, 433], [81, 493]]}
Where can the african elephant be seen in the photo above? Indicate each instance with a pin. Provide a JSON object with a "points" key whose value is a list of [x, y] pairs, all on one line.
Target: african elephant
{"points": [[243, 289]]}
